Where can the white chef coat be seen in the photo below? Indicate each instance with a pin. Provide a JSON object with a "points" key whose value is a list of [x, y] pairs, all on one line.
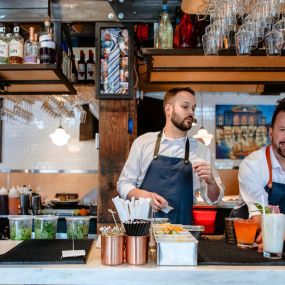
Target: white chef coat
{"points": [[254, 175], [141, 155]]}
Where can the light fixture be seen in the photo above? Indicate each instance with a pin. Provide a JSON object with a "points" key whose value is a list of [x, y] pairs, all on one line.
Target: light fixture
{"points": [[59, 137], [202, 133]]}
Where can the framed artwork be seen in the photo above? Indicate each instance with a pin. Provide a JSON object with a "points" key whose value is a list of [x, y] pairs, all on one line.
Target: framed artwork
{"points": [[241, 129], [114, 67]]}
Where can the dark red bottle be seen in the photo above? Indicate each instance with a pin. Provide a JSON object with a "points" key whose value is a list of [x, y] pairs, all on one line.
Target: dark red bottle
{"points": [[186, 29]]}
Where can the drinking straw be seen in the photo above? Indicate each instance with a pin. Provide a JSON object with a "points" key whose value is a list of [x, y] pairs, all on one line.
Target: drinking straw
{"points": [[263, 204]]}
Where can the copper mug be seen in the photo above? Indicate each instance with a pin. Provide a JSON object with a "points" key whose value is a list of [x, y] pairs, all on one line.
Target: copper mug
{"points": [[137, 250], [112, 250]]}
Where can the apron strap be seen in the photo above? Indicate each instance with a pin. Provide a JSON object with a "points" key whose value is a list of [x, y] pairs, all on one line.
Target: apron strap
{"points": [[269, 164], [157, 145], [186, 156]]}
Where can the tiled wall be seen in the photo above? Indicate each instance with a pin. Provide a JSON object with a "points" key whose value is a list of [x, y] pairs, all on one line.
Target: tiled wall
{"points": [[29, 147]]}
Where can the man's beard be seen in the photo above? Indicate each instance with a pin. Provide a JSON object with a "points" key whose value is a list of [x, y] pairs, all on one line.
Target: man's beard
{"points": [[280, 151], [180, 124]]}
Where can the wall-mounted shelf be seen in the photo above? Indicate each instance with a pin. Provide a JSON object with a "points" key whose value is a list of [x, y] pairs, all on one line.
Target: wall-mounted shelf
{"points": [[21, 79], [172, 67]]}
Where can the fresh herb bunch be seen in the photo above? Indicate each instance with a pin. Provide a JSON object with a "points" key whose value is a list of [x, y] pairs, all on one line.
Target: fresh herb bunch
{"points": [[45, 229], [20, 233], [77, 230], [270, 209]]}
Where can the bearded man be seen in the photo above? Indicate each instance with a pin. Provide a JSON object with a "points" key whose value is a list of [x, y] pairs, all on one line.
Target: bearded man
{"points": [[262, 173], [169, 166]]}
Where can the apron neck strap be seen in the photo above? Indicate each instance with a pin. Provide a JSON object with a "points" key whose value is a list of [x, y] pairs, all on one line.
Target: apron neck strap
{"points": [[157, 145], [269, 164]]}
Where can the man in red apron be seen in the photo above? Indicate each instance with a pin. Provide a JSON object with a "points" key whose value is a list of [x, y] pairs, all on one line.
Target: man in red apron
{"points": [[262, 173], [168, 166]]}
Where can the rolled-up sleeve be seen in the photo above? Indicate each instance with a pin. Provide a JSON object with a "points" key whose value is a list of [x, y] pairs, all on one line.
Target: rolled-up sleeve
{"points": [[130, 173]]}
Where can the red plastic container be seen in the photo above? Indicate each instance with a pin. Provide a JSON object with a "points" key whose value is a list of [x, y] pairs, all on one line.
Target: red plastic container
{"points": [[206, 218]]}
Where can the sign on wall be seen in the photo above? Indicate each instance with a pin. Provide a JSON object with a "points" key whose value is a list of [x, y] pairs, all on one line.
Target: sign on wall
{"points": [[241, 129]]}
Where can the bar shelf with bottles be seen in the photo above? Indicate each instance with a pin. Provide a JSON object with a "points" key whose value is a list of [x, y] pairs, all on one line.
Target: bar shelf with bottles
{"points": [[32, 66]]}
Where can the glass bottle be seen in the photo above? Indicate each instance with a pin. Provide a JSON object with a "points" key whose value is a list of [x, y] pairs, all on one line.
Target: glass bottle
{"points": [[13, 201], [81, 67], [176, 38], [165, 30], [31, 48], [186, 32], [90, 68], [4, 46], [74, 73], [47, 45], [16, 46]]}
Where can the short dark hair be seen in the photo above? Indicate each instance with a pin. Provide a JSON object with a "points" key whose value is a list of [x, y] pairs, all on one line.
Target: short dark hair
{"points": [[172, 93], [279, 108]]}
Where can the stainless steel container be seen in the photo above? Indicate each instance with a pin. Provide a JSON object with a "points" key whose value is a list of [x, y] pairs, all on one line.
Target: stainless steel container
{"points": [[112, 250], [137, 250]]}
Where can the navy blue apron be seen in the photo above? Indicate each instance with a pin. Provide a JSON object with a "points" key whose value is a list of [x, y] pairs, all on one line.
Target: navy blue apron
{"points": [[276, 191], [172, 178]]}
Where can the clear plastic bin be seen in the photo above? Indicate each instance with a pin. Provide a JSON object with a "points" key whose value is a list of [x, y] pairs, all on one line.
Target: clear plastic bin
{"points": [[20, 227], [77, 227], [45, 227]]}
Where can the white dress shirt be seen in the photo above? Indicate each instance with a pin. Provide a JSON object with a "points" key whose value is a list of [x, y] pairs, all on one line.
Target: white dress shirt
{"points": [[254, 175], [141, 155]]}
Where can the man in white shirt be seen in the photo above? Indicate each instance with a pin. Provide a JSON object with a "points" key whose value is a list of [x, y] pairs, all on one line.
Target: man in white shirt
{"points": [[262, 173], [168, 166]]}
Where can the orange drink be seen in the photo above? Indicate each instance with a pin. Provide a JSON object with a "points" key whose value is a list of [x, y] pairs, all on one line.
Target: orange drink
{"points": [[245, 232]]}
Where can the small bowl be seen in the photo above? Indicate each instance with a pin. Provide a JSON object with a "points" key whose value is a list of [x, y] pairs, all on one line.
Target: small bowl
{"points": [[20, 227], [45, 227], [77, 227]]}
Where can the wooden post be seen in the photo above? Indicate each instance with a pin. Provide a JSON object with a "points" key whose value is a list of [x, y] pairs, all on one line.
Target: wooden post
{"points": [[113, 151]]}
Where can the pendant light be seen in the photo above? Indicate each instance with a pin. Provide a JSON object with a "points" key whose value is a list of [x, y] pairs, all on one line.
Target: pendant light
{"points": [[202, 133], [59, 137]]}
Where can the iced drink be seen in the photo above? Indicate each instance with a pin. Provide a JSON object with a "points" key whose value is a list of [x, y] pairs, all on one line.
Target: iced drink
{"points": [[245, 232], [273, 229]]}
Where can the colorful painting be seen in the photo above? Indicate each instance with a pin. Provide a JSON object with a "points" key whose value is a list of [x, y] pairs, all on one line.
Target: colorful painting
{"points": [[241, 129], [114, 61]]}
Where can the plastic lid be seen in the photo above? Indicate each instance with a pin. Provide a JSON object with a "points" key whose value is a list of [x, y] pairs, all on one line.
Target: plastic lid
{"points": [[46, 217], [20, 217], [3, 191], [78, 218]]}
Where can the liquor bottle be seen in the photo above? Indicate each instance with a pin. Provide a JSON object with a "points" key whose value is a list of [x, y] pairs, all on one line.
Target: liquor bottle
{"points": [[31, 48], [165, 30], [91, 68], [74, 73], [36, 37], [47, 45], [82, 67], [4, 46], [176, 36], [186, 32], [16, 46]]}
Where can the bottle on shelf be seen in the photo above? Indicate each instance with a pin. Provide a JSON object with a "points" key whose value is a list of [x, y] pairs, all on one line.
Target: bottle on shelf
{"points": [[90, 68], [165, 30], [13, 201], [187, 36], [31, 48], [74, 73], [82, 68], [47, 45], [176, 36], [4, 46], [16, 46]]}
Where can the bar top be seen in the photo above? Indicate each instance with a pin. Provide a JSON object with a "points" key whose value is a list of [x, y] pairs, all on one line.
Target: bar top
{"points": [[97, 274]]}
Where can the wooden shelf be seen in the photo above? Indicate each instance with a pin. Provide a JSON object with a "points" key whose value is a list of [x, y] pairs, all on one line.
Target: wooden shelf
{"points": [[20, 79], [227, 72]]}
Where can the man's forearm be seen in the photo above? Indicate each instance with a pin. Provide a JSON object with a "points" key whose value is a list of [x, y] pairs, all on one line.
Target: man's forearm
{"points": [[139, 193]]}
